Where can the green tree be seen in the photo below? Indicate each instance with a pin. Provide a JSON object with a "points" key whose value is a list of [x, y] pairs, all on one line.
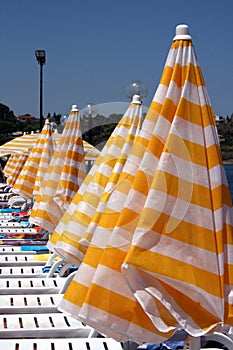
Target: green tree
{"points": [[6, 114]]}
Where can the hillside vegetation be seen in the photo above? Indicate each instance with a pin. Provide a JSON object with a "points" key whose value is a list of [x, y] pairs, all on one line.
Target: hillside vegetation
{"points": [[97, 130], [225, 131]]}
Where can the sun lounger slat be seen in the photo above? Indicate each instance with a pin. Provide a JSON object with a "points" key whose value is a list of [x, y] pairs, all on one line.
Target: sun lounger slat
{"points": [[61, 344]]}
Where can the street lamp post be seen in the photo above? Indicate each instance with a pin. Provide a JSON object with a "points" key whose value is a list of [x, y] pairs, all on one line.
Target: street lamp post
{"points": [[40, 56], [89, 113]]}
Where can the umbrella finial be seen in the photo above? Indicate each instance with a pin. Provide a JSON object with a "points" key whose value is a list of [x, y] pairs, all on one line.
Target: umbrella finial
{"points": [[182, 32], [74, 108], [136, 100]]}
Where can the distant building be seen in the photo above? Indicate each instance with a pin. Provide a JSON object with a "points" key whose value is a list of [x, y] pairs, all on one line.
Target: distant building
{"points": [[24, 118], [219, 119]]}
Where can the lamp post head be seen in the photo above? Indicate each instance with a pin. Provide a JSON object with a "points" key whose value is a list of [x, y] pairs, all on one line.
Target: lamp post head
{"points": [[89, 111], [40, 56], [136, 88]]}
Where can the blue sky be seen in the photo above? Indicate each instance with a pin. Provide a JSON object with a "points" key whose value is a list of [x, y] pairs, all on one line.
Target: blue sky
{"points": [[95, 48]]}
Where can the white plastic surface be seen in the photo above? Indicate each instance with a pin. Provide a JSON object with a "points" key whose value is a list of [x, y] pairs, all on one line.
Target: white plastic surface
{"points": [[182, 32], [20, 260], [41, 325], [15, 250], [60, 344], [22, 272], [136, 100], [31, 285], [17, 231], [32, 303]]}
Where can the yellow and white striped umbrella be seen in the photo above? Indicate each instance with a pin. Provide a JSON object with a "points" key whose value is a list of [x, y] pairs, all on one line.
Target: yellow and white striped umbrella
{"points": [[103, 191], [14, 166], [26, 142], [168, 254], [83, 213], [33, 172], [64, 176], [10, 164], [19, 144], [91, 152]]}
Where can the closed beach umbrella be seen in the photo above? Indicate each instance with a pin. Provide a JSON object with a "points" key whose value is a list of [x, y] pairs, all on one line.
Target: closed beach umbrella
{"points": [[168, 255], [83, 214], [33, 172], [14, 166], [64, 176], [95, 216]]}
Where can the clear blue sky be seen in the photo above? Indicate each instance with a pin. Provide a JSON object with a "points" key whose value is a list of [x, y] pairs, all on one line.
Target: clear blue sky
{"points": [[95, 48]]}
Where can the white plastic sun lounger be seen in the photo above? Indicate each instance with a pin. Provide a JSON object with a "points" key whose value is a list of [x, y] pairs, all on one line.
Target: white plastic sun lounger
{"points": [[60, 344], [225, 340], [24, 259], [35, 301], [50, 268], [14, 231], [46, 285], [24, 249], [28, 304], [38, 285], [10, 224], [4, 250], [22, 272], [5, 217], [15, 224], [20, 260], [42, 325], [47, 270], [6, 196]]}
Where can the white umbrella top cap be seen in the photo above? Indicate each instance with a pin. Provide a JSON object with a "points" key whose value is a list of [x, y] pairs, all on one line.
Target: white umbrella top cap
{"points": [[74, 108], [136, 100], [182, 33]]}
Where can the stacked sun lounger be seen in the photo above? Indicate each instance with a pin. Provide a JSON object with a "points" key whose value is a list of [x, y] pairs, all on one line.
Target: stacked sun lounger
{"points": [[29, 318]]}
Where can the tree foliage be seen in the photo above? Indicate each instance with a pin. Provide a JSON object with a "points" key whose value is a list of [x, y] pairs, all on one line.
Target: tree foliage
{"points": [[97, 130], [6, 114]]}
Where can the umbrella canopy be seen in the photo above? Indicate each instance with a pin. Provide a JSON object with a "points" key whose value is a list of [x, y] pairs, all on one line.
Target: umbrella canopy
{"points": [[90, 152], [169, 250], [14, 166], [64, 176], [10, 164], [86, 207], [19, 144], [26, 142], [33, 172], [104, 191]]}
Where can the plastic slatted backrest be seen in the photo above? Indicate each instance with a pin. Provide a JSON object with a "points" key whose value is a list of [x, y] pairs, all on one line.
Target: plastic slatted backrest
{"points": [[60, 344], [21, 271], [21, 304], [41, 326], [18, 230], [31, 285]]}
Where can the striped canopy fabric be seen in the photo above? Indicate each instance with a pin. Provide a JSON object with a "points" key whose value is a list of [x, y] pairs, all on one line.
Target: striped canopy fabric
{"points": [[20, 144], [90, 152], [83, 214], [63, 178], [14, 166], [33, 172], [26, 142], [164, 260], [10, 164]]}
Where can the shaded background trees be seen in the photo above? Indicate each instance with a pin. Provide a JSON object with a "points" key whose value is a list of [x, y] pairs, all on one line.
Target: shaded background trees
{"points": [[97, 130]]}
